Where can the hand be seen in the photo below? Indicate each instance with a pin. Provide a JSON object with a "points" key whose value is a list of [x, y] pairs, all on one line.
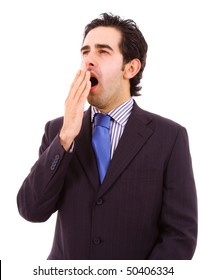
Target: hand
{"points": [[74, 108]]}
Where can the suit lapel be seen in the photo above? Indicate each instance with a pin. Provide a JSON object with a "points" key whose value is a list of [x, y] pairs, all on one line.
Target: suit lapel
{"points": [[135, 135], [84, 151]]}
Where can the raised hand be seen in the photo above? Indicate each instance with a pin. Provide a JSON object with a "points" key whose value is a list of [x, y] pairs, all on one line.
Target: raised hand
{"points": [[74, 108]]}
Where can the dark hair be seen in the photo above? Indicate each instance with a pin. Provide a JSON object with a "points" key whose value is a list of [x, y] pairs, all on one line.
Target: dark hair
{"points": [[132, 45]]}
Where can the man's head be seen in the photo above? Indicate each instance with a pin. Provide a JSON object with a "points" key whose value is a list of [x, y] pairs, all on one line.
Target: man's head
{"points": [[132, 44]]}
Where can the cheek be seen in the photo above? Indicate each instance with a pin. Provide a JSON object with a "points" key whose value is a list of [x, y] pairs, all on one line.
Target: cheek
{"points": [[112, 71], [115, 76]]}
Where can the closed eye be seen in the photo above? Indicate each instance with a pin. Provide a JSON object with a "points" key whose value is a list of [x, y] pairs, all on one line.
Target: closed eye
{"points": [[103, 51], [85, 53]]}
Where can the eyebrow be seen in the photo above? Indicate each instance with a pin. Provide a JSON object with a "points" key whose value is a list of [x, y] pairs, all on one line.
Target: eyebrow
{"points": [[97, 46]]}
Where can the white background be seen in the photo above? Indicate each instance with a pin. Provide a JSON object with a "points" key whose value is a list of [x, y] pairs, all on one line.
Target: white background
{"points": [[39, 55]]}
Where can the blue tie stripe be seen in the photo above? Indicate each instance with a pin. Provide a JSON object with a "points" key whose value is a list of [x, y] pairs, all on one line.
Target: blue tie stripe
{"points": [[101, 143]]}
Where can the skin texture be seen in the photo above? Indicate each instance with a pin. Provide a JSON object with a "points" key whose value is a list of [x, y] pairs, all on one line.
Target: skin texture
{"points": [[102, 59]]}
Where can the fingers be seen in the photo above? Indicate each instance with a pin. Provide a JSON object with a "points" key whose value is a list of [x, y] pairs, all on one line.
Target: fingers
{"points": [[74, 108], [80, 85], [84, 88]]}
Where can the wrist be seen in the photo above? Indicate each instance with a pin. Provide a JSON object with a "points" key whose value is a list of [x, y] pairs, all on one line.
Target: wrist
{"points": [[66, 140]]}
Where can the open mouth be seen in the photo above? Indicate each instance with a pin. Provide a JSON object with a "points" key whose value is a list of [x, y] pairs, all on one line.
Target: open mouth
{"points": [[94, 81]]}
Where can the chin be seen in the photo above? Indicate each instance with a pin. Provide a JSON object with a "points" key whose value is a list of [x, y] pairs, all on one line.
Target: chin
{"points": [[93, 101]]}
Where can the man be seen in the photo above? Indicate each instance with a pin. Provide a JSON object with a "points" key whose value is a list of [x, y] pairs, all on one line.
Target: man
{"points": [[143, 205]]}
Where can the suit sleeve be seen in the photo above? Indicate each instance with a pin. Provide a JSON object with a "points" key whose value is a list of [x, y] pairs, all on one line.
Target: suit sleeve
{"points": [[178, 222], [38, 196]]}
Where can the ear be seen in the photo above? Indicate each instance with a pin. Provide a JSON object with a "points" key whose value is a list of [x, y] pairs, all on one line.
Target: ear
{"points": [[132, 68]]}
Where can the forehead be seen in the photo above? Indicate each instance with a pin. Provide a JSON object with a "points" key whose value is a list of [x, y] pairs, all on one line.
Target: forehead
{"points": [[103, 35]]}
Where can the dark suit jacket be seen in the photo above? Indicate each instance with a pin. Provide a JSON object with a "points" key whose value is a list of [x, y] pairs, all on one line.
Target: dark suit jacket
{"points": [[146, 207]]}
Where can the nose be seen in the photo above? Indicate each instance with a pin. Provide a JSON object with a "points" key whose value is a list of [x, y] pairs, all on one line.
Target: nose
{"points": [[89, 61]]}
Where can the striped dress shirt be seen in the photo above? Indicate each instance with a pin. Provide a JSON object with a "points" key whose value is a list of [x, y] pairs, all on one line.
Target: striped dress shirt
{"points": [[119, 117]]}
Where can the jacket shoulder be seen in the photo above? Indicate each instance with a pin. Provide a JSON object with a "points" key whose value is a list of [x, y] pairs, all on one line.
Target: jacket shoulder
{"points": [[157, 120]]}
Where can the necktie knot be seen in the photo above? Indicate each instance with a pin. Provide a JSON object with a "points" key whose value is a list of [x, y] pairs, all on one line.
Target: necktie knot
{"points": [[102, 120]]}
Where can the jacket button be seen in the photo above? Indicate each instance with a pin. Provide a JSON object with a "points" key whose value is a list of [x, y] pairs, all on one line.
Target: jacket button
{"points": [[99, 201], [96, 241], [57, 157], [53, 166], [55, 161]]}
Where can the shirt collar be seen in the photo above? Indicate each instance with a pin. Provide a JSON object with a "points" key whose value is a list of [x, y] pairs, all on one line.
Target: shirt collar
{"points": [[119, 114]]}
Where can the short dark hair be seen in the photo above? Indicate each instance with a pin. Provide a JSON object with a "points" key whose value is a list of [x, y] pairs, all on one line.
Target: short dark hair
{"points": [[132, 45]]}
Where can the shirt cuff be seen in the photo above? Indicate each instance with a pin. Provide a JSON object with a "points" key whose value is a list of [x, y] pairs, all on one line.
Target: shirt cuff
{"points": [[71, 149]]}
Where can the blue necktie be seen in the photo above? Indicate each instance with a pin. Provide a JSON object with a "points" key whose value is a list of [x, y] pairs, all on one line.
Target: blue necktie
{"points": [[101, 143]]}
